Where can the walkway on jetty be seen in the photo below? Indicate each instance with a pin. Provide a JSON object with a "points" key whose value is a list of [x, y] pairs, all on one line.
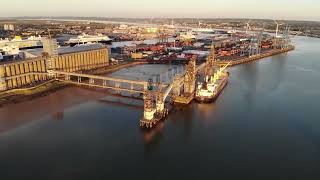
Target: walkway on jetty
{"points": [[256, 57]]}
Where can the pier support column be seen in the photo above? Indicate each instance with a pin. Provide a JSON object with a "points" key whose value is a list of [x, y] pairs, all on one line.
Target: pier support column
{"points": [[91, 81], [67, 78], [117, 86], [176, 86], [104, 83], [175, 70], [132, 88]]}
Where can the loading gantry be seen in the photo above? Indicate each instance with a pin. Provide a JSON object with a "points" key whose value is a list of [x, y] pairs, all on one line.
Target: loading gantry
{"points": [[188, 84], [210, 64], [148, 120]]}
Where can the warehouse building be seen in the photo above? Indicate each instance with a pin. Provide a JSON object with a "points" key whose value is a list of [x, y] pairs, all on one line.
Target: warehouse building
{"points": [[34, 68]]}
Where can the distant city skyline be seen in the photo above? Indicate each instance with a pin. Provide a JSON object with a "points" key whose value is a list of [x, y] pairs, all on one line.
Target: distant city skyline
{"points": [[271, 9]]}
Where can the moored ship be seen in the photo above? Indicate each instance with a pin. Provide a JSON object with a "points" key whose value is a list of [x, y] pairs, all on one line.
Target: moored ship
{"points": [[186, 36], [87, 39], [209, 91], [216, 79]]}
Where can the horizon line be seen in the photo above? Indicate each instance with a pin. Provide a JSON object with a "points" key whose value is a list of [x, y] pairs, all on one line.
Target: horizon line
{"points": [[229, 18]]}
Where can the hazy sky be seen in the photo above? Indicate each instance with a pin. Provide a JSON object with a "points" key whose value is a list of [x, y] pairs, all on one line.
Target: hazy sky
{"points": [[279, 9]]}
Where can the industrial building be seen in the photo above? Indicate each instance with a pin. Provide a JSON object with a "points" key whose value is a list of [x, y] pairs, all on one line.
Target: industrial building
{"points": [[8, 27], [34, 68]]}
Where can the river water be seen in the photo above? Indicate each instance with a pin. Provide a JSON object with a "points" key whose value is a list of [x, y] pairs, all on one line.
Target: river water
{"points": [[265, 125]]}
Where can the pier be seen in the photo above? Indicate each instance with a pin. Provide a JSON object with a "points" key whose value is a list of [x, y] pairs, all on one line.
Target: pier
{"points": [[256, 57], [181, 90]]}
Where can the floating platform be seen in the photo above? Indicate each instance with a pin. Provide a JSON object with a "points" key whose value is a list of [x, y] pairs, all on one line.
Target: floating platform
{"points": [[183, 100]]}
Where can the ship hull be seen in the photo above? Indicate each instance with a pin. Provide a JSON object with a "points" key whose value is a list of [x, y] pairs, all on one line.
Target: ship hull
{"points": [[210, 99]]}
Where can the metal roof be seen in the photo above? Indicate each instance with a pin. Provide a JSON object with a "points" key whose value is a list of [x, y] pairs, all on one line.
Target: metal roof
{"points": [[80, 48], [67, 50]]}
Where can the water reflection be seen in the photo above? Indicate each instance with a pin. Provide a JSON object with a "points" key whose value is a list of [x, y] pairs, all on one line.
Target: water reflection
{"points": [[102, 139], [182, 118], [16, 115], [152, 137], [250, 72], [279, 64], [129, 103], [206, 111]]}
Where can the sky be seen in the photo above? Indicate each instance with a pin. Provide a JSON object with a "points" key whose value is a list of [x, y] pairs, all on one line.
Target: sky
{"points": [[271, 9]]}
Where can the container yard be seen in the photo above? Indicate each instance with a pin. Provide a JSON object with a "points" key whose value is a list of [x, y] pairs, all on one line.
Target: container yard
{"points": [[237, 47]]}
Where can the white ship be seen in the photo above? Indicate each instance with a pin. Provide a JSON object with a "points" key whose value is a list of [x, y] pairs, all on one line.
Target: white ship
{"points": [[203, 30], [187, 36], [8, 53], [214, 82], [209, 90], [22, 43], [87, 39]]}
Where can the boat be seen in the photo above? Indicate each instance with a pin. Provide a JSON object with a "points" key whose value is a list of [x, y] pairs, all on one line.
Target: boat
{"points": [[204, 30], [186, 36], [85, 39], [216, 79], [209, 90]]}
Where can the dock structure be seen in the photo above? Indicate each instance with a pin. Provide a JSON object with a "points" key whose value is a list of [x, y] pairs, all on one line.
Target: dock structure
{"points": [[256, 57], [181, 90], [72, 68], [117, 84], [152, 115]]}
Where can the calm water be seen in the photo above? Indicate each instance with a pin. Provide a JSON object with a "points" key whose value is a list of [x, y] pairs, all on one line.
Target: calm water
{"points": [[265, 125]]}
